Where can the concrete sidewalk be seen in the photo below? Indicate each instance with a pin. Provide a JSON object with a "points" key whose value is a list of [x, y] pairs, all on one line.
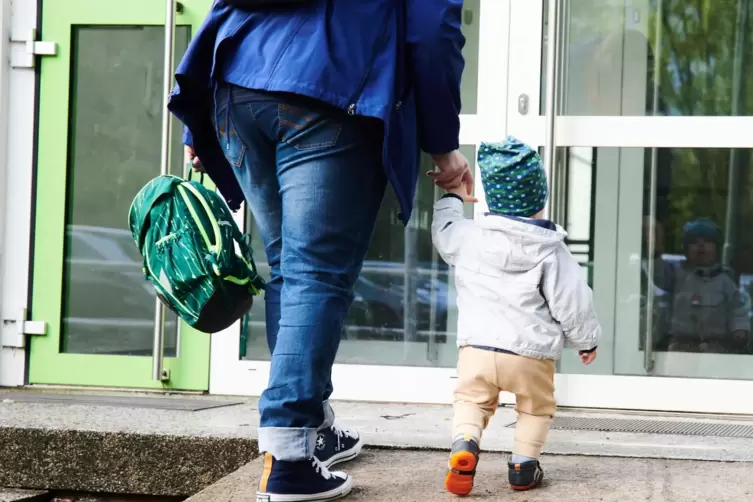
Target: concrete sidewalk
{"points": [[178, 452], [414, 476]]}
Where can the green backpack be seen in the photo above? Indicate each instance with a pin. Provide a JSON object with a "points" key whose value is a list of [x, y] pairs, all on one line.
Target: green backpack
{"points": [[188, 239]]}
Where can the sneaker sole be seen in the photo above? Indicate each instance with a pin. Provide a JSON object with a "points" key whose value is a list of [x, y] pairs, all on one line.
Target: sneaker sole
{"points": [[521, 488], [455, 482], [345, 456], [338, 493]]}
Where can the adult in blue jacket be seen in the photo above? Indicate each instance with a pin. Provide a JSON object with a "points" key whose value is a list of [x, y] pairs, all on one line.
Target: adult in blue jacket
{"points": [[307, 112]]}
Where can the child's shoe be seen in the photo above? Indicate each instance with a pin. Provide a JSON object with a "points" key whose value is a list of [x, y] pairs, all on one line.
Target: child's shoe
{"points": [[462, 468], [525, 476]]}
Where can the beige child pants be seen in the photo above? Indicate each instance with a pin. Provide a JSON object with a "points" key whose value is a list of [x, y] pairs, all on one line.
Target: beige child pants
{"points": [[483, 374]]}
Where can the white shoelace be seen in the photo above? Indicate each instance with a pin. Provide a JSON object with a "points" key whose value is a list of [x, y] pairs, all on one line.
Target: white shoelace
{"points": [[342, 433], [321, 469]]}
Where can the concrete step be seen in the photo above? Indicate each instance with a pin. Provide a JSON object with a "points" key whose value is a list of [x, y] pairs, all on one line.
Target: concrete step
{"points": [[180, 450], [418, 476], [12, 495]]}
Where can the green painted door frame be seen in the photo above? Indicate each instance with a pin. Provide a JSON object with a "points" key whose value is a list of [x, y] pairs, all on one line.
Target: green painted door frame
{"points": [[49, 362]]}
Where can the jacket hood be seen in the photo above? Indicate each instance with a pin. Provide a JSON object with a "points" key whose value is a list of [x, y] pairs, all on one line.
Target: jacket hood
{"points": [[515, 244]]}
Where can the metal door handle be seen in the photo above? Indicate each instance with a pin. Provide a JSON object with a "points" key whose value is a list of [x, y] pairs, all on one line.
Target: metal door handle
{"points": [[552, 97], [158, 347]]}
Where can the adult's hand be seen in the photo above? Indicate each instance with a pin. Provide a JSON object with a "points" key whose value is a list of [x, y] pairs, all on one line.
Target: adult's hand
{"points": [[195, 162], [453, 170], [465, 190]]}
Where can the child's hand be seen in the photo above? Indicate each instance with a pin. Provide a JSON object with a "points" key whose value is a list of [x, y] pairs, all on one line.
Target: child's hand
{"points": [[465, 190], [587, 357]]}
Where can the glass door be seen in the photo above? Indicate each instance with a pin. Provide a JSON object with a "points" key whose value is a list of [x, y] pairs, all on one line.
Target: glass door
{"points": [[643, 110], [99, 141], [399, 343]]}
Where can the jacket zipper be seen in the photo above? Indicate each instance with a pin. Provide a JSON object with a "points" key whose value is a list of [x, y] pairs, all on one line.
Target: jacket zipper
{"points": [[354, 98]]}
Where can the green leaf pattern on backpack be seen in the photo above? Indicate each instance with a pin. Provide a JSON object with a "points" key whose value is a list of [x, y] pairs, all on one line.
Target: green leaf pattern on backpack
{"points": [[178, 239]]}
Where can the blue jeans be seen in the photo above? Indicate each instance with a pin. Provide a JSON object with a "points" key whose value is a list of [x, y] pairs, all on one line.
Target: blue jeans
{"points": [[312, 176]]}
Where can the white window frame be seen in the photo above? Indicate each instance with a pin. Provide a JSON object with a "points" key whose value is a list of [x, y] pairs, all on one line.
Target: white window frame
{"points": [[17, 107]]}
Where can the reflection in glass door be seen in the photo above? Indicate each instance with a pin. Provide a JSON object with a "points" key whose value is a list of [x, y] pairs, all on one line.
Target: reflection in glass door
{"points": [[685, 252], [101, 108], [404, 312]]}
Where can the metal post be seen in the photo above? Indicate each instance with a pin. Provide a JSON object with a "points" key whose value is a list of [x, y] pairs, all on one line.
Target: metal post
{"points": [[648, 352], [552, 70], [410, 264], [432, 350], [158, 347], [738, 70]]}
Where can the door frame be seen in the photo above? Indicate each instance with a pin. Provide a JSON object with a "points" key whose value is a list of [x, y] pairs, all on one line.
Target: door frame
{"points": [[597, 386], [18, 90], [231, 376], [47, 365]]}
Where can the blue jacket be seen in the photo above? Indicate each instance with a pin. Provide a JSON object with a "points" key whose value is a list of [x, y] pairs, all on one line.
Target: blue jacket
{"points": [[396, 60]]}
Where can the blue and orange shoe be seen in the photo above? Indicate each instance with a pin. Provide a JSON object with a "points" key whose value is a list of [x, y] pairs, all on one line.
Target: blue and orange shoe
{"points": [[303, 481], [462, 465], [525, 476]]}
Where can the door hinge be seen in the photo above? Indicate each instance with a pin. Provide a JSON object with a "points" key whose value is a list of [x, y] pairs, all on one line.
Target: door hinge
{"points": [[27, 57], [24, 327]]}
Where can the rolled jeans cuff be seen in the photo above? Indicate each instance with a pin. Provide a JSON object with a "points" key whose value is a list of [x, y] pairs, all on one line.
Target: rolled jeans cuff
{"points": [[329, 416], [289, 444]]}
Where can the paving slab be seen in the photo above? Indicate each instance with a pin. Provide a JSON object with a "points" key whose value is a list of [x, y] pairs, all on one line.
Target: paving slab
{"points": [[417, 476], [11, 495]]}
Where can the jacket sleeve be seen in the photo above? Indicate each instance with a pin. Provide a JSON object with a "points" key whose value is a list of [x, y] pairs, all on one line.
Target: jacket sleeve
{"points": [[570, 300], [436, 64], [187, 138], [738, 314], [449, 227]]}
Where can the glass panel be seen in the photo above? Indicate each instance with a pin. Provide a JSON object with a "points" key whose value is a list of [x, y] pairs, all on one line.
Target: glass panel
{"points": [[656, 57], [573, 203], [686, 291], [695, 265], [469, 83], [405, 311], [115, 123]]}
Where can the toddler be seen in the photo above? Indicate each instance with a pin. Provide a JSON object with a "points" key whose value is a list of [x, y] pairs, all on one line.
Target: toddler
{"points": [[521, 297]]}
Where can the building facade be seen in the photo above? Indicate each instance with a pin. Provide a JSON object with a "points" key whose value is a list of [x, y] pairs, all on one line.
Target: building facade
{"points": [[642, 110]]}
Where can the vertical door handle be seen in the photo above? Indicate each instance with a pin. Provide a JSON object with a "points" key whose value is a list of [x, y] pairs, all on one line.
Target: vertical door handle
{"points": [[551, 110], [158, 348]]}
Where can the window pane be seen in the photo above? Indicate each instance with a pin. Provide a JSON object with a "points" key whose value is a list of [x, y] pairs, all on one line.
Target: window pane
{"points": [[405, 311], [469, 83], [671, 241], [651, 57], [115, 122]]}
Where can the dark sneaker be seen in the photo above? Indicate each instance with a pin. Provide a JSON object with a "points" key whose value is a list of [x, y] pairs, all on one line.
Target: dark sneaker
{"points": [[335, 446], [302, 481], [462, 466], [525, 476]]}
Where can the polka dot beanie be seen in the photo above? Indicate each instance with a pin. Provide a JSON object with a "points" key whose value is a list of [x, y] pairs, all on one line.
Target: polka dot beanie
{"points": [[702, 228], [513, 177]]}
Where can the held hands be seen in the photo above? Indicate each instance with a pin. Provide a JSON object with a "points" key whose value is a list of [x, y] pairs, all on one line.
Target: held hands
{"points": [[587, 357], [454, 175]]}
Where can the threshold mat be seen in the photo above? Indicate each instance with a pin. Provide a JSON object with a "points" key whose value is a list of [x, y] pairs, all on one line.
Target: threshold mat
{"points": [[156, 402]]}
